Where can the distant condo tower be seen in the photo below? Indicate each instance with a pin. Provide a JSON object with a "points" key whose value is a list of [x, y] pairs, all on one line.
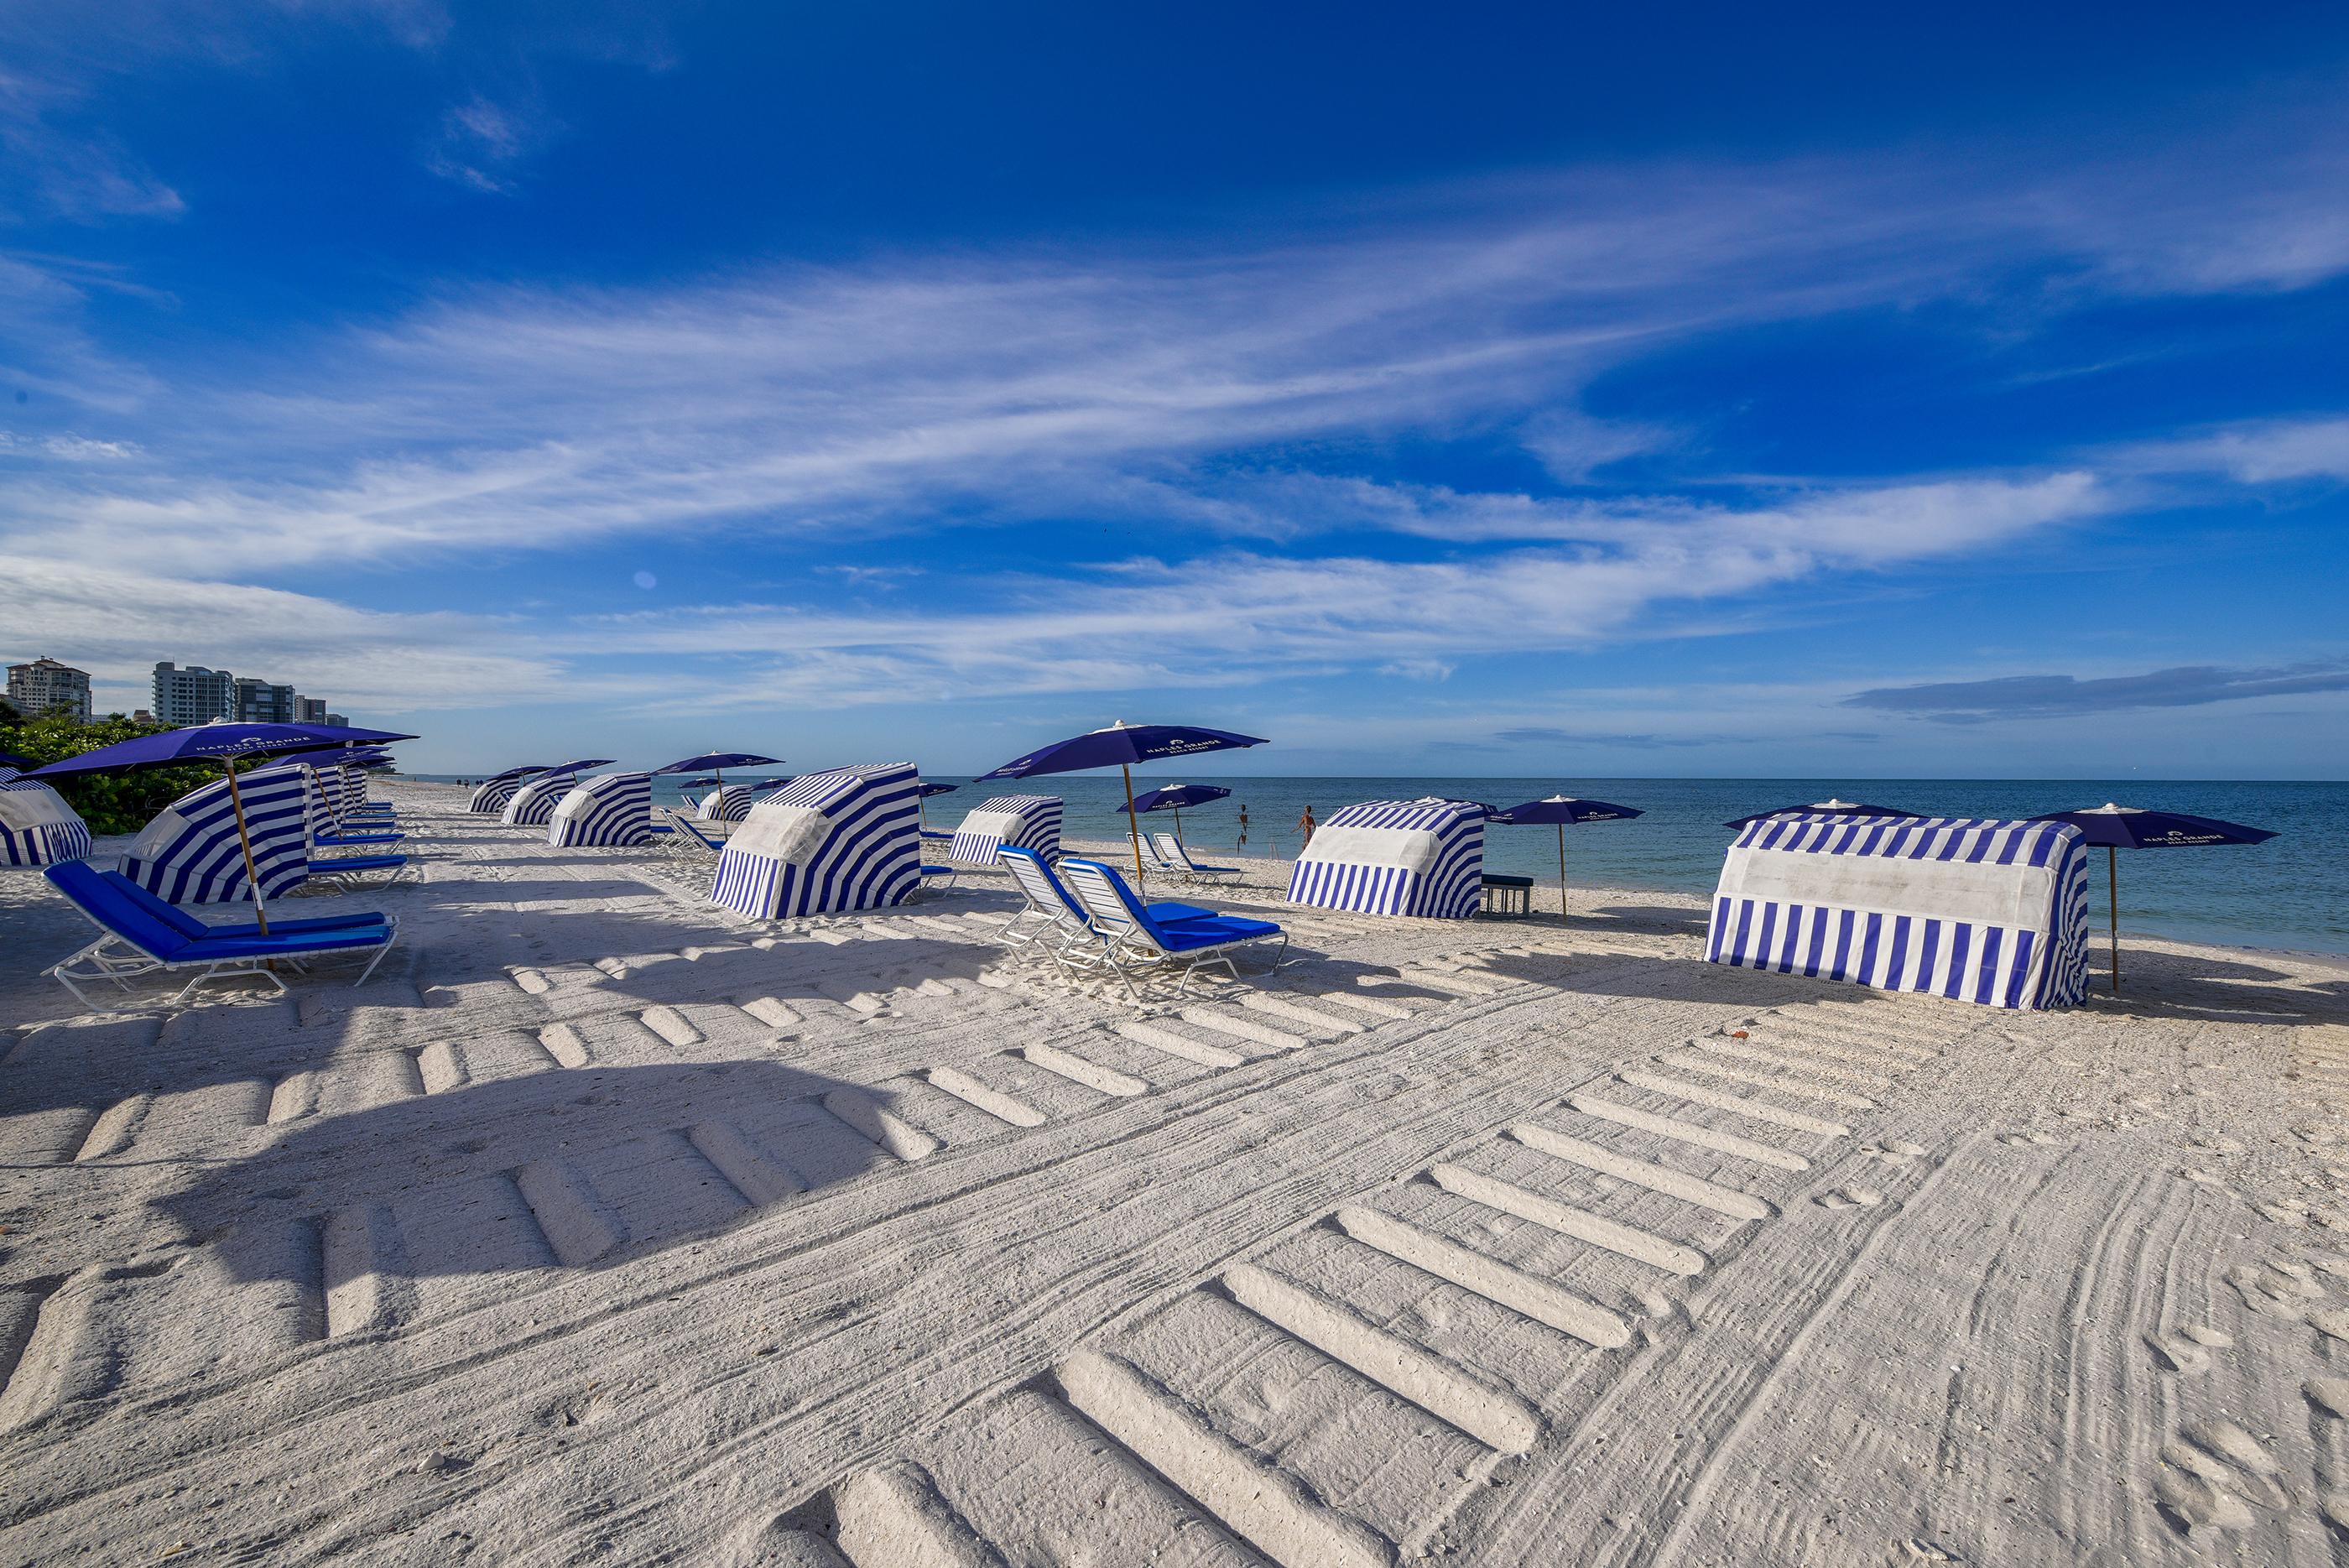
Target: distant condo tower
{"points": [[44, 684], [195, 695]]}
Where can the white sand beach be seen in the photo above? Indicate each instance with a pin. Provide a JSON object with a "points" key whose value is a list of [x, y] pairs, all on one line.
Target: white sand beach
{"points": [[603, 1226]]}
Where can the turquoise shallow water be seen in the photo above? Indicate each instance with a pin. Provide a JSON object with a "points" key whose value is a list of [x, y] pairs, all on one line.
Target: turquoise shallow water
{"points": [[2290, 892]]}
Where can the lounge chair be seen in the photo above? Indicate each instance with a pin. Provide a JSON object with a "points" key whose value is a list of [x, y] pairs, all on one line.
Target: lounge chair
{"points": [[1135, 937], [1177, 859], [943, 875], [690, 832], [140, 934], [1054, 924]]}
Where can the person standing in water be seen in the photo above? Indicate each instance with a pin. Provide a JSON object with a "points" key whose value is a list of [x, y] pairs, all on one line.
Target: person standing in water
{"points": [[1305, 824], [1243, 842]]}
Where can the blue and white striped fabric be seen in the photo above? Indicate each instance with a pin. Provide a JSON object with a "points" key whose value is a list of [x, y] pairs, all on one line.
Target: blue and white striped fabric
{"points": [[37, 826], [533, 804], [329, 805], [189, 854], [613, 809], [490, 799], [848, 839], [731, 803], [1007, 821], [317, 785], [1979, 909], [1422, 858]]}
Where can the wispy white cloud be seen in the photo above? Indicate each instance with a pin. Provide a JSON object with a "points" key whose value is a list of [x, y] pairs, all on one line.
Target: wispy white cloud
{"points": [[2262, 451], [117, 620]]}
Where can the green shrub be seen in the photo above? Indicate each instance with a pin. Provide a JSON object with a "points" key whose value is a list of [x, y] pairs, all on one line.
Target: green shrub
{"points": [[110, 802]]}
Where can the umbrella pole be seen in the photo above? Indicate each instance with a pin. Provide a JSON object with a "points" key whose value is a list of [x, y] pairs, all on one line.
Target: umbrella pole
{"points": [[1178, 825], [1132, 823], [2113, 906], [1561, 874], [245, 841]]}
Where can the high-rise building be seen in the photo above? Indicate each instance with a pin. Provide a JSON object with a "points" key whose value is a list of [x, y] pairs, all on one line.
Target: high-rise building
{"points": [[45, 685], [261, 702], [338, 722], [194, 695], [309, 710]]}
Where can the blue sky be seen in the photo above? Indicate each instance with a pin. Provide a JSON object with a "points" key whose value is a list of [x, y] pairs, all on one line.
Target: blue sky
{"points": [[1510, 391]]}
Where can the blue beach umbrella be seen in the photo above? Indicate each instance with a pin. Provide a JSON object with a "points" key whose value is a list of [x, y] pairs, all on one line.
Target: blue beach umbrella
{"points": [[1120, 746], [718, 762], [11, 760], [226, 743], [2118, 827], [922, 794], [1174, 798], [1832, 807], [1562, 809]]}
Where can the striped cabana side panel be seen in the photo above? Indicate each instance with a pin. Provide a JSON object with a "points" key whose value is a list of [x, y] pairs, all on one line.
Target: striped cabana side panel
{"points": [[317, 785], [490, 799], [189, 853], [533, 805], [37, 826], [1008, 822], [614, 810], [333, 795], [1979, 909], [1417, 858], [829, 842], [731, 803], [355, 786]]}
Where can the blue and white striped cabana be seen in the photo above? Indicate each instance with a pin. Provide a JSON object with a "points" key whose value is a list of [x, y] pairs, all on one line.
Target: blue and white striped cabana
{"points": [[1008, 822], [1423, 857], [491, 798], [533, 804], [848, 839], [1977, 908], [731, 803], [613, 809], [190, 855], [318, 784], [37, 826]]}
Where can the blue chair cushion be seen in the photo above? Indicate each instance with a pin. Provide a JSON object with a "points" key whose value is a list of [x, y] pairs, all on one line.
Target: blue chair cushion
{"points": [[279, 942], [1215, 931], [339, 838], [1172, 914]]}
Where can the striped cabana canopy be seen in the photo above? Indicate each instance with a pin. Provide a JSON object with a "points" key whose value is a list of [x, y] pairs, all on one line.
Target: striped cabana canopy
{"points": [[1422, 858], [832, 841], [1007, 821], [533, 806], [614, 810], [319, 785], [189, 853], [730, 804], [1979, 909], [490, 799], [848, 839], [37, 826]]}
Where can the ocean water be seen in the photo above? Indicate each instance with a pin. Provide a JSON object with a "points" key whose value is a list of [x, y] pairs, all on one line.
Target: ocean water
{"points": [[2290, 892]]}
